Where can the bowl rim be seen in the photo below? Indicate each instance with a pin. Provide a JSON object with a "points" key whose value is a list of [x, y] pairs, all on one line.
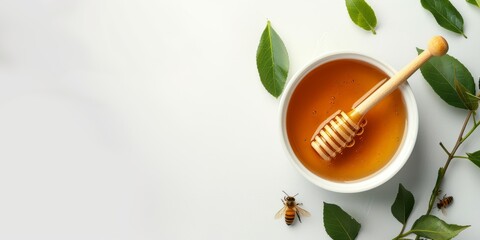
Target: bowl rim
{"points": [[400, 157]]}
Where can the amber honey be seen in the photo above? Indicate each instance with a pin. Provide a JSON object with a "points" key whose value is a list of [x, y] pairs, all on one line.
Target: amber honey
{"points": [[337, 85]]}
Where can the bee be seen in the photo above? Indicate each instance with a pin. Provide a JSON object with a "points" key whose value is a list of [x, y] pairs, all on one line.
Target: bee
{"points": [[444, 202], [290, 209]]}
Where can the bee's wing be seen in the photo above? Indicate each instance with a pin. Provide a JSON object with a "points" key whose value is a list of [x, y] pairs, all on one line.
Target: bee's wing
{"points": [[281, 212], [302, 212], [444, 211]]}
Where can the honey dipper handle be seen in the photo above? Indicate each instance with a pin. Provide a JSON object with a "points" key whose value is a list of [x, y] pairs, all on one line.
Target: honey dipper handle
{"points": [[437, 46]]}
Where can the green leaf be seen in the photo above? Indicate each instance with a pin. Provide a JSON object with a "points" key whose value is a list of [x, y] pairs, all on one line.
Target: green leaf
{"points": [[338, 224], [441, 72], [272, 61], [469, 101], [474, 2], [429, 226], [446, 15], [403, 205], [474, 157], [362, 14]]}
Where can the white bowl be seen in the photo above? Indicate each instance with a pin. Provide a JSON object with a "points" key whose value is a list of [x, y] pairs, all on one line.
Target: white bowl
{"points": [[400, 157]]}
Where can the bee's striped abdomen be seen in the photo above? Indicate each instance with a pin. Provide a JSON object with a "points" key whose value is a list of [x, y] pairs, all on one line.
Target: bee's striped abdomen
{"points": [[444, 202], [289, 216]]}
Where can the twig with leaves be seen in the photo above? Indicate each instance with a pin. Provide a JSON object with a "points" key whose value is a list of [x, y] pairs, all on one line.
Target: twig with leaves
{"points": [[449, 78]]}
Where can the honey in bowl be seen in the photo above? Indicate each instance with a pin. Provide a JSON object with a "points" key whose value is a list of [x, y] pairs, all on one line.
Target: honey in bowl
{"points": [[337, 85]]}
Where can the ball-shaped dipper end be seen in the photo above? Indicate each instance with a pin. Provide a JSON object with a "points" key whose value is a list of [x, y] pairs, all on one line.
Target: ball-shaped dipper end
{"points": [[438, 46]]}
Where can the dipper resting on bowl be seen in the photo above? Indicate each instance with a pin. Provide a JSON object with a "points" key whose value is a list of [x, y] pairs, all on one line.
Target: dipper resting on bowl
{"points": [[338, 131]]}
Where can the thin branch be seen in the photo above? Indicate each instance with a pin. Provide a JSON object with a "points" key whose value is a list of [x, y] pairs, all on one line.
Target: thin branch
{"points": [[443, 170], [445, 149]]}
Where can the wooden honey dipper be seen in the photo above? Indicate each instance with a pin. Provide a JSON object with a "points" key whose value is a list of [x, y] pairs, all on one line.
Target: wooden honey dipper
{"points": [[338, 131]]}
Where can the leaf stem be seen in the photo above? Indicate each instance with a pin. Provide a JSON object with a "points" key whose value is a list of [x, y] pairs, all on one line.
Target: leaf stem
{"points": [[401, 232], [403, 235], [475, 125]]}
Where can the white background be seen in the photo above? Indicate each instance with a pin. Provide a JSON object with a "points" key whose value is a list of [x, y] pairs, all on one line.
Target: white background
{"points": [[147, 119]]}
